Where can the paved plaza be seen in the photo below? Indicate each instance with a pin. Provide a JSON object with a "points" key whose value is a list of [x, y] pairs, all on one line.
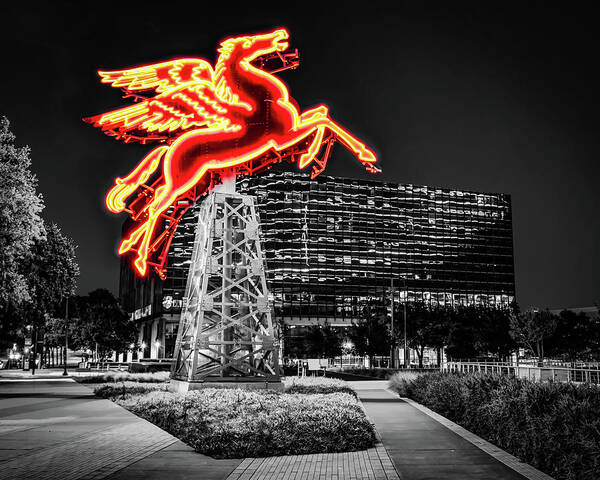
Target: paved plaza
{"points": [[56, 428], [52, 427]]}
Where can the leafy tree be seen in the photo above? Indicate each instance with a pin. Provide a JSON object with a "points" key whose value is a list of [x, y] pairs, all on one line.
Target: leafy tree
{"points": [[20, 208], [575, 336], [479, 331], [371, 335], [20, 226], [322, 341], [595, 340], [426, 326], [462, 332], [52, 272], [531, 328], [102, 325], [55, 329], [492, 334]]}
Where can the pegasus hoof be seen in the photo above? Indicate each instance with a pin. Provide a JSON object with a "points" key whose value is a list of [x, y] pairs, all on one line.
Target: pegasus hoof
{"points": [[367, 156], [125, 247], [140, 265]]}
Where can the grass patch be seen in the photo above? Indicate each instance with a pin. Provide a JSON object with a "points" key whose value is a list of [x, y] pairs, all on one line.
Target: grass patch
{"points": [[236, 423], [125, 390], [313, 385], [553, 426]]}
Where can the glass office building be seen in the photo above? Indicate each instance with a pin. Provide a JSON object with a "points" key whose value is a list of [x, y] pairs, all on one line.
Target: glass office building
{"points": [[333, 244]]}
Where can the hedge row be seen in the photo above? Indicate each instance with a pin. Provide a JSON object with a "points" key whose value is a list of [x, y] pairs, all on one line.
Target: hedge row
{"points": [[553, 426], [384, 373], [309, 385], [108, 377]]}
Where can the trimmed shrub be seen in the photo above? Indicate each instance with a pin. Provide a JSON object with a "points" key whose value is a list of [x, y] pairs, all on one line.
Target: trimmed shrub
{"points": [[398, 380], [553, 426], [149, 367], [235, 423], [313, 385], [158, 377], [383, 373]]}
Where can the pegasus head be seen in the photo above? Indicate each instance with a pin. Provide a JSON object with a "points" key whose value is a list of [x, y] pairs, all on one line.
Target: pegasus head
{"points": [[249, 47]]}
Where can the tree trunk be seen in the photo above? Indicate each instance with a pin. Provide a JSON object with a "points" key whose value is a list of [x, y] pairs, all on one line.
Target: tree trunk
{"points": [[34, 350], [420, 351], [540, 352]]}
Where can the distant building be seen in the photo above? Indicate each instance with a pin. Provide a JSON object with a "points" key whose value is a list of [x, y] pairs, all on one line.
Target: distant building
{"points": [[590, 311], [334, 243]]}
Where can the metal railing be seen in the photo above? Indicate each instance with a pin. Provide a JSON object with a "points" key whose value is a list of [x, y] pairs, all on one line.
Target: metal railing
{"points": [[532, 372], [104, 366]]}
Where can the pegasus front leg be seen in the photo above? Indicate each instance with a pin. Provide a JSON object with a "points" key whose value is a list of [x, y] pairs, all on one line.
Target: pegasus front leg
{"points": [[362, 152], [318, 117], [309, 156]]}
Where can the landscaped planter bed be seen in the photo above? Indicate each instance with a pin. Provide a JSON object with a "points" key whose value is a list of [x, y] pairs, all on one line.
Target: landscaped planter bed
{"points": [[236, 423], [554, 427]]}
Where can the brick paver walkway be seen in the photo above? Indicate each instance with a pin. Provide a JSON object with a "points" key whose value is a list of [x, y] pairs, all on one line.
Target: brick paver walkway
{"points": [[372, 464]]}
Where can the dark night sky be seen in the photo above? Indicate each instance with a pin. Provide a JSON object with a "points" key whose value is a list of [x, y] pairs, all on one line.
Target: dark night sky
{"points": [[494, 98]]}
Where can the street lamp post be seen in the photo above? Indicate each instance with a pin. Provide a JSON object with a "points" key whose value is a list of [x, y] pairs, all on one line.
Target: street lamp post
{"points": [[405, 339], [392, 359], [393, 335], [35, 335], [65, 373]]}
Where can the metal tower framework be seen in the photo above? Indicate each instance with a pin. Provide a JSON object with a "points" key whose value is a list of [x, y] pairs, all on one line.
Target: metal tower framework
{"points": [[226, 333]]}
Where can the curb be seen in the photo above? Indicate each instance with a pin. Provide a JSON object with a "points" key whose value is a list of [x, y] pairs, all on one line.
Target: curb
{"points": [[529, 472]]}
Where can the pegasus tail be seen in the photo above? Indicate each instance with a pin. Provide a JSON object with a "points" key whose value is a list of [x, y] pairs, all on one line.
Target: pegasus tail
{"points": [[124, 187]]}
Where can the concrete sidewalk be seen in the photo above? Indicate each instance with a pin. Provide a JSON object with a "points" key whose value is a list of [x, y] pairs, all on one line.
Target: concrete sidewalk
{"points": [[56, 428], [421, 447]]}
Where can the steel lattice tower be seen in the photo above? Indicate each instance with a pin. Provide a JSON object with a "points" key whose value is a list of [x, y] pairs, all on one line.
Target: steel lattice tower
{"points": [[226, 333]]}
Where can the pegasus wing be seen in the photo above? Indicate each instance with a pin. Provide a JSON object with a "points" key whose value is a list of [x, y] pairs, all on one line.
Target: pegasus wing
{"points": [[160, 76], [169, 114]]}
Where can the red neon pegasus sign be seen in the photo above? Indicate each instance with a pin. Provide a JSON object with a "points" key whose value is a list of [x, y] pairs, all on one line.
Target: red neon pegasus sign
{"points": [[210, 120]]}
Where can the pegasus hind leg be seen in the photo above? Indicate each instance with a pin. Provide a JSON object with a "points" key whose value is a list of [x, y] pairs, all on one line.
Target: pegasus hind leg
{"points": [[134, 237], [164, 198]]}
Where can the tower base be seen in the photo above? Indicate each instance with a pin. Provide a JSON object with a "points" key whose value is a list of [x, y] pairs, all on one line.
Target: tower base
{"points": [[182, 386], [226, 336]]}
